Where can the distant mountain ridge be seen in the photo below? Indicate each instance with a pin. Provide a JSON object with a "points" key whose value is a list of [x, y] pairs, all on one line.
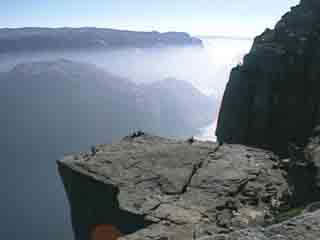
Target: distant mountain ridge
{"points": [[54, 39]]}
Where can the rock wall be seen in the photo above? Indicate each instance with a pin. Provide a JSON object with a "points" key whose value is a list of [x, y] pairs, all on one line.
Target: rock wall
{"points": [[272, 98]]}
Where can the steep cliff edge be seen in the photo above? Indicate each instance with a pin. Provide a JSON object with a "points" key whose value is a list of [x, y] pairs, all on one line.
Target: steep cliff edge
{"points": [[272, 99], [147, 187]]}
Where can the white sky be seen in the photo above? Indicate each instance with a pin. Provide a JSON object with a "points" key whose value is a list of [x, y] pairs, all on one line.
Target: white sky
{"points": [[198, 17]]}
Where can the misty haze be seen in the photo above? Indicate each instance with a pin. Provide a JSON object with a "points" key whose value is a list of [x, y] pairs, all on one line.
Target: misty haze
{"points": [[55, 102], [65, 90]]}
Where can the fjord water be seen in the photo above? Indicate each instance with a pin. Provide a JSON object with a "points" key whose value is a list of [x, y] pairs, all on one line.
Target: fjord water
{"points": [[225, 53], [33, 203]]}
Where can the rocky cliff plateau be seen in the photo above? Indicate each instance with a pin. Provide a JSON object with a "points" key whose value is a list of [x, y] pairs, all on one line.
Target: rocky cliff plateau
{"points": [[259, 182], [173, 189]]}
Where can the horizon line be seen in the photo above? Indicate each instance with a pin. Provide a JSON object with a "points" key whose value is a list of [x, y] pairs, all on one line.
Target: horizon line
{"points": [[226, 37], [120, 29]]}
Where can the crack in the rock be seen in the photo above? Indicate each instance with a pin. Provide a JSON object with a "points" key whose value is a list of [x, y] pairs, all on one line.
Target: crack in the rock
{"points": [[196, 168], [170, 221], [133, 165], [194, 171], [147, 180], [154, 208], [240, 188]]}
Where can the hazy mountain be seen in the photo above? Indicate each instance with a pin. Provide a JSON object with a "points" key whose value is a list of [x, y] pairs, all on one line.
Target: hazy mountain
{"points": [[82, 96], [179, 105], [54, 39], [55, 107]]}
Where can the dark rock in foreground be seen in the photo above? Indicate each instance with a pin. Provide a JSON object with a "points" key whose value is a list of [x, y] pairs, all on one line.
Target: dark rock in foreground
{"points": [[149, 187], [272, 99], [304, 170]]}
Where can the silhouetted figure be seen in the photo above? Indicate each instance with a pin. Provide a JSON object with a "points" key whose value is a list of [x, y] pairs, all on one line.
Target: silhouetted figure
{"points": [[137, 134], [93, 151], [191, 140]]}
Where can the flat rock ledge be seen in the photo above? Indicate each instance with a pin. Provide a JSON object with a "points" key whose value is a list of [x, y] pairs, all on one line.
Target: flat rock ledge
{"points": [[147, 187]]}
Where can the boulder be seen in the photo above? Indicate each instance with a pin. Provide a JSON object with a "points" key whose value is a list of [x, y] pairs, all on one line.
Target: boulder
{"points": [[147, 187]]}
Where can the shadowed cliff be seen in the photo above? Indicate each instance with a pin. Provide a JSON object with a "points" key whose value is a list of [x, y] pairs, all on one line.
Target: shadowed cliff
{"points": [[272, 98]]}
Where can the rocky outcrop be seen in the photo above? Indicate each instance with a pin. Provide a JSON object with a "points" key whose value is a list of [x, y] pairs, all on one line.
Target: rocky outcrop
{"points": [[304, 163], [272, 99], [149, 187], [55, 39], [304, 227]]}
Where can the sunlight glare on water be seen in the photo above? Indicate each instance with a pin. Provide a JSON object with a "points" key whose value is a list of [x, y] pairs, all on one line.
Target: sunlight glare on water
{"points": [[224, 53]]}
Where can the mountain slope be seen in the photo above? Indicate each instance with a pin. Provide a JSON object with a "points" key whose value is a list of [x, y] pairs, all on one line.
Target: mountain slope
{"points": [[179, 105], [84, 99], [53, 39]]}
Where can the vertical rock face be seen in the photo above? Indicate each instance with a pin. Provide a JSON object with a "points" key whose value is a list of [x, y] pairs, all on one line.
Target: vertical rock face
{"points": [[272, 99], [95, 211]]}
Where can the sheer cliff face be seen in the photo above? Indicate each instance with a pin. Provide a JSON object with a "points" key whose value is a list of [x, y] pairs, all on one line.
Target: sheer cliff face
{"points": [[272, 99]]}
